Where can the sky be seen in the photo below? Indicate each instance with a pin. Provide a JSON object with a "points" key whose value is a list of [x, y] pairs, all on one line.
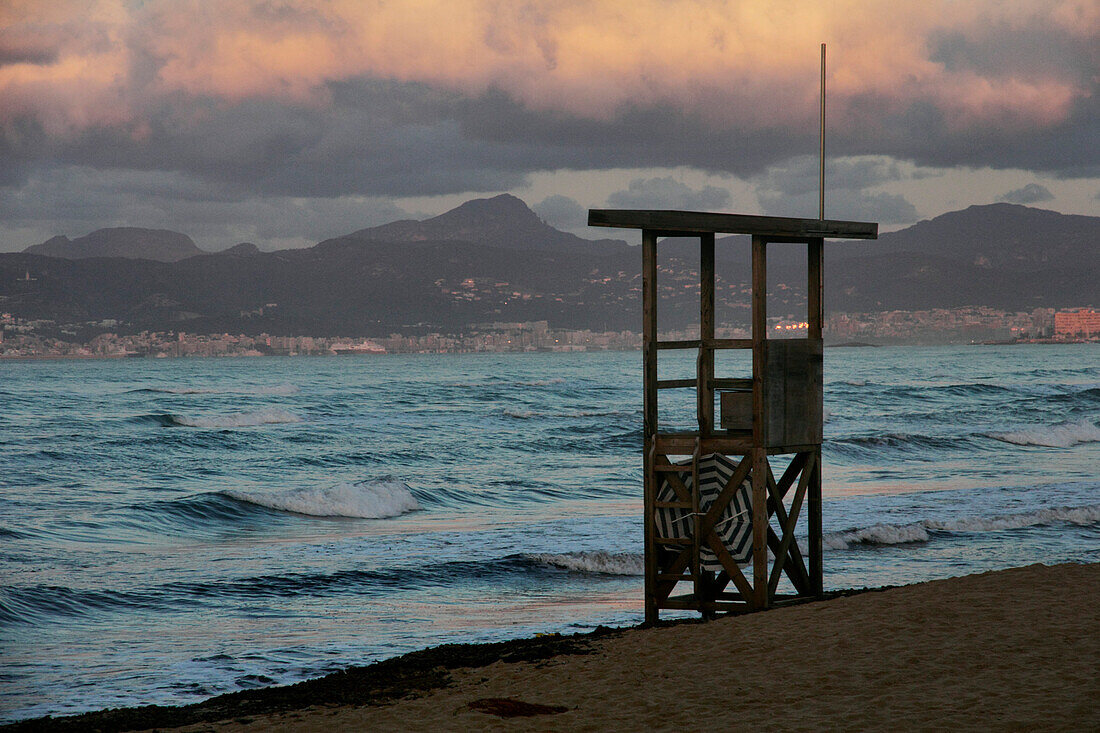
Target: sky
{"points": [[285, 122]]}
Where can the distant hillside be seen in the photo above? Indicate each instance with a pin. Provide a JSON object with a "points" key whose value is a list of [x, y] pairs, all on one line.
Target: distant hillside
{"points": [[130, 242], [1000, 255], [494, 260], [502, 221]]}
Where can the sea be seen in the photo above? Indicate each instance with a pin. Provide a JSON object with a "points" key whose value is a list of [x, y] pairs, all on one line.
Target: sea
{"points": [[173, 529]]}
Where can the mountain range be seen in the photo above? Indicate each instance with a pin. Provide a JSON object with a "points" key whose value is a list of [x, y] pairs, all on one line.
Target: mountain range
{"points": [[495, 260]]}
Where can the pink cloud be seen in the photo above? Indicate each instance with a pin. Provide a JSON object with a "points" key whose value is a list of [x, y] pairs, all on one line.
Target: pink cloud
{"points": [[747, 64]]}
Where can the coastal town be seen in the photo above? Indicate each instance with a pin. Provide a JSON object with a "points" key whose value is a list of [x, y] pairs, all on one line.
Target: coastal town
{"points": [[20, 338]]}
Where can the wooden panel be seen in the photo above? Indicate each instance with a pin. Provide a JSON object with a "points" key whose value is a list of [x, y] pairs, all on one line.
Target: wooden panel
{"points": [[683, 444], [693, 344], [676, 384], [731, 383], [793, 391], [730, 343], [736, 410], [667, 222]]}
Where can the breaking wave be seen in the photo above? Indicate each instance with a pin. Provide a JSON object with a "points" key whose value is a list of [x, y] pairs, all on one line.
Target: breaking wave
{"points": [[923, 531], [606, 563], [372, 499], [1052, 436]]}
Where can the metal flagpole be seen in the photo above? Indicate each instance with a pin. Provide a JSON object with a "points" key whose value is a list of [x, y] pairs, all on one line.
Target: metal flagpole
{"points": [[821, 171]]}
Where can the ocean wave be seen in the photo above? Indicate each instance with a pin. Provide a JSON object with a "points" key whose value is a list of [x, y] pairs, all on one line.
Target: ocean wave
{"points": [[38, 604], [372, 499], [1065, 435], [605, 563], [923, 531], [270, 416], [557, 414], [194, 514], [542, 382], [277, 389], [901, 442]]}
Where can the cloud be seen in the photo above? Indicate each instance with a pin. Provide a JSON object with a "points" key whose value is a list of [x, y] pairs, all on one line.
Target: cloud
{"points": [[561, 212], [800, 174], [740, 67], [78, 200], [1032, 193], [315, 100], [668, 193], [791, 188]]}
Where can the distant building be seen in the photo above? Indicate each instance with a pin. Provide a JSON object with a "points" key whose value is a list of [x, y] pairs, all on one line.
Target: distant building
{"points": [[1077, 323]]}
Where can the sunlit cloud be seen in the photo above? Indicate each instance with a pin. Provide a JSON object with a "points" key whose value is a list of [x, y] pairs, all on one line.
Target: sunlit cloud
{"points": [[747, 63]]}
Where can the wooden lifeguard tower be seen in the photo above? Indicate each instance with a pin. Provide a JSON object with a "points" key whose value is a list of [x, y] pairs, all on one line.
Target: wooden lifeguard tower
{"points": [[777, 412]]}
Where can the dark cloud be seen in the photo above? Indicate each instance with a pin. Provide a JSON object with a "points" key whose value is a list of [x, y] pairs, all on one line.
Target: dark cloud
{"points": [[668, 193], [996, 49], [801, 174], [77, 200], [848, 203], [1032, 193], [791, 189]]}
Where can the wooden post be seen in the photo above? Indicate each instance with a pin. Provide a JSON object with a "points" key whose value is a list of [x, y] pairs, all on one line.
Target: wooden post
{"points": [[815, 312], [705, 373], [649, 406], [759, 423], [817, 586], [816, 318]]}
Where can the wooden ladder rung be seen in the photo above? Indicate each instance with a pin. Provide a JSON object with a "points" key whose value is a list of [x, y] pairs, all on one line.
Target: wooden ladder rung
{"points": [[682, 541], [673, 505], [671, 468], [676, 578]]}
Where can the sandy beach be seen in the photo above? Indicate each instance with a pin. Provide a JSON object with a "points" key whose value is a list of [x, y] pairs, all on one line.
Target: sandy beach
{"points": [[1010, 650]]}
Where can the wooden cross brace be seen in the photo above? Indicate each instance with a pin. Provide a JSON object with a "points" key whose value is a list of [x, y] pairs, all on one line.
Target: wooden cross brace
{"points": [[788, 557]]}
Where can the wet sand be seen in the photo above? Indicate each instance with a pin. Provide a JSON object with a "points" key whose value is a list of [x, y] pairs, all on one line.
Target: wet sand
{"points": [[1009, 650]]}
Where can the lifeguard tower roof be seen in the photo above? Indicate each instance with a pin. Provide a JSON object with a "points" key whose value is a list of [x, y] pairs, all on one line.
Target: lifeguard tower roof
{"points": [[776, 228]]}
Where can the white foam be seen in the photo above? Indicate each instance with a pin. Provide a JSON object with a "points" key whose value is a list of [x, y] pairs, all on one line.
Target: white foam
{"points": [[894, 534], [542, 382], [240, 420], [1082, 515], [878, 534], [373, 499], [1053, 436], [608, 563]]}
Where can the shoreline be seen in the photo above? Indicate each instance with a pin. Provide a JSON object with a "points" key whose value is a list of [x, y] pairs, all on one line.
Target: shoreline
{"points": [[1002, 649]]}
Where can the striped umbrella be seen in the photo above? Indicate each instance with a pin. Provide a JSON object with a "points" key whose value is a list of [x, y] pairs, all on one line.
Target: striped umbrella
{"points": [[734, 525]]}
